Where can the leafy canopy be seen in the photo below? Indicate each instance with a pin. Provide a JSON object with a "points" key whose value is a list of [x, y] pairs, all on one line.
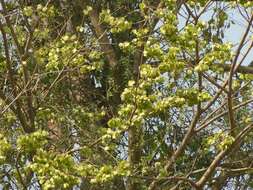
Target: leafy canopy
{"points": [[115, 94]]}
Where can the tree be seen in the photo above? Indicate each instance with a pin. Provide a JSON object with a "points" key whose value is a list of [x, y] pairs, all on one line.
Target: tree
{"points": [[127, 95]]}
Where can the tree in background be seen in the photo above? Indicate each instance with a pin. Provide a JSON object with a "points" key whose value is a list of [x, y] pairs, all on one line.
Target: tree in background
{"points": [[125, 94]]}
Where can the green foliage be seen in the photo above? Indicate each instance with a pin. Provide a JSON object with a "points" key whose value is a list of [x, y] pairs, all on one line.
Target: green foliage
{"points": [[107, 172], [220, 140], [123, 94], [5, 147], [32, 142], [119, 24], [55, 171]]}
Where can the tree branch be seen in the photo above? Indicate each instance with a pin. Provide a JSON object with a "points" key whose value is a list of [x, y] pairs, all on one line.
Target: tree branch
{"points": [[18, 110], [230, 79], [103, 39], [201, 182]]}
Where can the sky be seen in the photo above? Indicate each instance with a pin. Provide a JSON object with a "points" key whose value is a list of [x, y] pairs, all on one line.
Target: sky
{"points": [[234, 33]]}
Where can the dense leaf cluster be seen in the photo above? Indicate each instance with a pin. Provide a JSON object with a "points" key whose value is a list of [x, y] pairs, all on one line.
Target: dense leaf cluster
{"points": [[116, 94]]}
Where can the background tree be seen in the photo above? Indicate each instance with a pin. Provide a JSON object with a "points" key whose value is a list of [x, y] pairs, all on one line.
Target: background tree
{"points": [[122, 94]]}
